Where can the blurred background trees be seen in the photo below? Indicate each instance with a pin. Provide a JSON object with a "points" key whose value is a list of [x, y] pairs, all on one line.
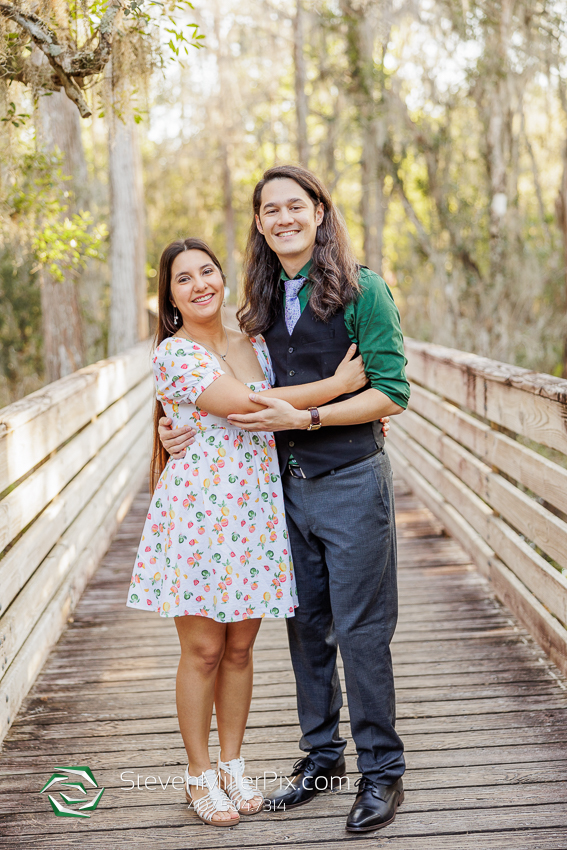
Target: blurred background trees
{"points": [[439, 125]]}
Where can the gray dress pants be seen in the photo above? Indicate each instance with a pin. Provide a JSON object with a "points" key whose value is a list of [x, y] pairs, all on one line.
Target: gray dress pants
{"points": [[343, 542]]}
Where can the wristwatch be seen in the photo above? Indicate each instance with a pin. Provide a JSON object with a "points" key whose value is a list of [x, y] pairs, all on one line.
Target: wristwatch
{"points": [[315, 419]]}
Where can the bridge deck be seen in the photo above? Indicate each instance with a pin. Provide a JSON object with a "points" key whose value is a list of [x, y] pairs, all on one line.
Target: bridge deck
{"points": [[481, 710]]}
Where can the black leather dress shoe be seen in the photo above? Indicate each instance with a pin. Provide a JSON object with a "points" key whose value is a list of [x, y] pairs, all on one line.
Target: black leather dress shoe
{"points": [[375, 805], [307, 779]]}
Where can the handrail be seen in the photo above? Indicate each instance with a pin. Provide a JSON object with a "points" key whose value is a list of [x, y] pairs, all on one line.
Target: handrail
{"points": [[72, 457], [461, 446]]}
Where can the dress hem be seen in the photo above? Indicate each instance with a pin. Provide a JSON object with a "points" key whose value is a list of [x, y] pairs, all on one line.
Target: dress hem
{"points": [[266, 616]]}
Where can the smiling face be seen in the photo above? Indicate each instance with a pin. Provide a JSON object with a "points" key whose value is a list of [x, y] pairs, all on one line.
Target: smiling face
{"points": [[288, 220], [197, 286]]}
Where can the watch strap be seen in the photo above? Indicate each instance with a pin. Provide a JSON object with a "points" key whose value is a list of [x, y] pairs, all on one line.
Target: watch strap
{"points": [[315, 419]]}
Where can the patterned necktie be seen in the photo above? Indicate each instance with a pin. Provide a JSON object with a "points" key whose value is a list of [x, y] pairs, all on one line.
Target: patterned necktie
{"points": [[292, 306]]}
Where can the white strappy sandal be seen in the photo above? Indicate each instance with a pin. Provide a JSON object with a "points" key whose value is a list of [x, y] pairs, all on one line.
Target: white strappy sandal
{"points": [[215, 801], [240, 789]]}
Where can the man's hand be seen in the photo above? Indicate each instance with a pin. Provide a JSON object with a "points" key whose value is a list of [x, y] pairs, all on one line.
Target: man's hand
{"points": [[278, 415], [350, 373], [385, 425], [175, 442]]}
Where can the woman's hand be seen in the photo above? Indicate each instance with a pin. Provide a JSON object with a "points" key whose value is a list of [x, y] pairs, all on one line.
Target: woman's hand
{"points": [[175, 442], [350, 373], [385, 425]]}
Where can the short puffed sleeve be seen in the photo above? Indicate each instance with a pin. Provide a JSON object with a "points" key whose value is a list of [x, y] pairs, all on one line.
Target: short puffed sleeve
{"points": [[260, 347], [183, 370]]}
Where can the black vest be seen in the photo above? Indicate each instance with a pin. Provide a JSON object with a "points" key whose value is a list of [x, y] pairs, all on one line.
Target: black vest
{"points": [[311, 353]]}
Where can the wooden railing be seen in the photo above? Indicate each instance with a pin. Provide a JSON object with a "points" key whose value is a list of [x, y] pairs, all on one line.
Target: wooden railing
{"points": [[473, 446], [72, 457]]}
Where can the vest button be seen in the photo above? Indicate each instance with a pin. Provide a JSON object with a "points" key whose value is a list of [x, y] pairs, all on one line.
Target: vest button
{"points": [[292, 373], [291, 444], [290, 350]]}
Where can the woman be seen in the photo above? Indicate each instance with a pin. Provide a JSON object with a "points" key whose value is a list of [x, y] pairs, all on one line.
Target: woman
{"points": [[214, 552]]}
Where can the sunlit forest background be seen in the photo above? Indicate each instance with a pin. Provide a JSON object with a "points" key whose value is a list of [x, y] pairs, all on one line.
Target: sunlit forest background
{"points": [[439, 125]]}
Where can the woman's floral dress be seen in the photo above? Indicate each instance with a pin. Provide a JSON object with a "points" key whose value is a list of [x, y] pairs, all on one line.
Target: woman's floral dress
{"points": [[215, 542]]}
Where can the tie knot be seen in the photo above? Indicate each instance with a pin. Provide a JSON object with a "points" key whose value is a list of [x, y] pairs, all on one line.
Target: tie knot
{"points": [[292, 287]]}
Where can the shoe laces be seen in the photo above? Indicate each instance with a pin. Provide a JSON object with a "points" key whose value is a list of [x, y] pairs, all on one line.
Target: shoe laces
{"points": [[364, 783], [302, 765]]}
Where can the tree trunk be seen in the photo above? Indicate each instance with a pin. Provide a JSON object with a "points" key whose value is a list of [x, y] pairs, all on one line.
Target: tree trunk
{"points": [[128, 314], [300, 79], [372, 202], [497, 107], [229, 221], [227, 97], [63, 341], [364, 23], [561, 209]]}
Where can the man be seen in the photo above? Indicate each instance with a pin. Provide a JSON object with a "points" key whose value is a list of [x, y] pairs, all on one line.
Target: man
{"points": [[305, 292]]}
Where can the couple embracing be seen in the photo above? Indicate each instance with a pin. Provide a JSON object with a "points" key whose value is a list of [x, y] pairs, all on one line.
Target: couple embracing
{"points": [[277, 499]]}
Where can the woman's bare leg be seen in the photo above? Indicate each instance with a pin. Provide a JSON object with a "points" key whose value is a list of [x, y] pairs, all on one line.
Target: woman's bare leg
{"points": [[233, 691], [202, 647]]}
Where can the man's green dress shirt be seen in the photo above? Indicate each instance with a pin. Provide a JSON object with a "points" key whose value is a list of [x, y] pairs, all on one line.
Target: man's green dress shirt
{"points": [[373, 323]]}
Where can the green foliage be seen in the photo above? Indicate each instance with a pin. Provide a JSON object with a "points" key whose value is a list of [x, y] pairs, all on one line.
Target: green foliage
{"points": [[21, 364], [18, 119], [161, 22], [67, 243], [59, 243]]}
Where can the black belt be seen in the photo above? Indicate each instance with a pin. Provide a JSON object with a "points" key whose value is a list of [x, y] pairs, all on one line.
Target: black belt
{"points": [[297, 472]]}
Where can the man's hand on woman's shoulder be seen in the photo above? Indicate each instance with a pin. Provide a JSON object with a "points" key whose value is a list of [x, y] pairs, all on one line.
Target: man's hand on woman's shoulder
{"points": [[175, 442]]}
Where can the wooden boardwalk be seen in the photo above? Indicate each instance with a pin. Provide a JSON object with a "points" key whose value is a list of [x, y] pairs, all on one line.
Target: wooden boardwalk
{"points": [[481, 710]]}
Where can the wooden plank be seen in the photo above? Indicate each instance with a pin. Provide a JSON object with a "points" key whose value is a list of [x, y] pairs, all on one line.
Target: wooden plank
{"points": [[28, 662], [22, 615], [438, 699], [435, 733], [545, 838], [537, 473], [284, 680], [21, 561], [28, 499], [418, 474], [524, 402], [30, 429], [532, 519], [23, 780], [435, 673], [439, 799], [266, 829], [547, 631], [547, 583], [500, 726], [270, 712]]}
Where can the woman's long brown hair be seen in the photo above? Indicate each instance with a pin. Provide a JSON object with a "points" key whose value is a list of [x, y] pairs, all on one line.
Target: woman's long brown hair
{"points": [[166, 327], [334, 271]]}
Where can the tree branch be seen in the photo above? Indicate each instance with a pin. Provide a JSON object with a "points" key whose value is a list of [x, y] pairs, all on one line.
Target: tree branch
{"points": [[67, 64], [422, 236]]}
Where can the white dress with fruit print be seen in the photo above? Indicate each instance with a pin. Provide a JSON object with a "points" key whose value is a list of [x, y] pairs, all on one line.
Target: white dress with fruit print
{"points": [[215, 541]]}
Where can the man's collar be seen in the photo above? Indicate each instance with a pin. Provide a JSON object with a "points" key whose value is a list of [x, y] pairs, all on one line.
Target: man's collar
{"points": [[303, 273]]}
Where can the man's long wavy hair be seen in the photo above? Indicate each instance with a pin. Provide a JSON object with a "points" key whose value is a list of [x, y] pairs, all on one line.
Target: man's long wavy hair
{"points": [[166, 326], [334, 271]]}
